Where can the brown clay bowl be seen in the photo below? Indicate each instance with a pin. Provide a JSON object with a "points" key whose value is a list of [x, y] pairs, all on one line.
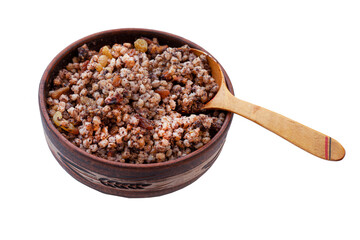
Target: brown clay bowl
{"points": [[125, 179]]}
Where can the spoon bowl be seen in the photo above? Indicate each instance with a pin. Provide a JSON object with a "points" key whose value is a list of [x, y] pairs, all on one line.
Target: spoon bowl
{"points": [[300, 135]]}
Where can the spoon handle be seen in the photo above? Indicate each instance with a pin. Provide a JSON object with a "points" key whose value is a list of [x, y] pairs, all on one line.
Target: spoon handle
{"points": [[300, 135]]}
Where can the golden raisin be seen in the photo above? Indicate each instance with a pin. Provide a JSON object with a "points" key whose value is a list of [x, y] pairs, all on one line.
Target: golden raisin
{"points": [[141, 45], [103, 60], [57, 93], [106, 51], [98, 67]]}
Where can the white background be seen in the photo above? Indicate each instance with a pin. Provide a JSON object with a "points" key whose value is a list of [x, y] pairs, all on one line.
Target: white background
{"points": [[298, 58]]}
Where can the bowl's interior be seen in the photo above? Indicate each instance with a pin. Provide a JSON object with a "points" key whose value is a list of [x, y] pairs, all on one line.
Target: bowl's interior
{"points": [[110, 37], [98, 40]]}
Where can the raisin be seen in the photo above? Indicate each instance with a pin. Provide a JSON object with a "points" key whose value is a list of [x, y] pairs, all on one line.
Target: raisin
{"points": [[106, 51], [83, 66], [113, 99], [57, 93], [179, 79], [166, 75], [197, 124], [116, 82], [215, 127], [83, 52], [141, 45], [145, 123], [98, 67], [111, 154], [155, 49], [103, 60], [148, 40], [163, 93], [71, 129]]}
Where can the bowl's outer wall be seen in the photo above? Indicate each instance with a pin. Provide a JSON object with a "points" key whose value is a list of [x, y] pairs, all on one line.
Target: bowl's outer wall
{"points": [[126, 180]]}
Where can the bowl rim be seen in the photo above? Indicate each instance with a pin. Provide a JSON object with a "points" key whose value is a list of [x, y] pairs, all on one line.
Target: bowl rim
{"points": [[46, 118]]}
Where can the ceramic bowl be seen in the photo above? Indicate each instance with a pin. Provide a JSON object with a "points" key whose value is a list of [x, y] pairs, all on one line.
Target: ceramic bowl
{"points": [[125, 179]]}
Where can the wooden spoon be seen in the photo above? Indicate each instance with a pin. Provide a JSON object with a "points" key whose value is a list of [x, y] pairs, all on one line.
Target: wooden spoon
{"points": [[302, 136]]}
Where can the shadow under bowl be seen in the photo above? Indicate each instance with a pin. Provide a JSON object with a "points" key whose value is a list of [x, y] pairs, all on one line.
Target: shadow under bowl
{"points": [[126, 179]]}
